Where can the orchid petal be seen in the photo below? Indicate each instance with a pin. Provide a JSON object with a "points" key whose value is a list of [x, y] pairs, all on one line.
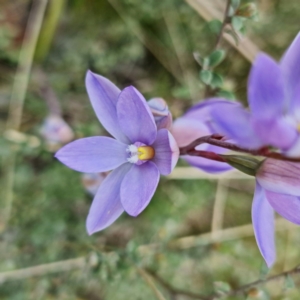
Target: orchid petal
{"points": [[106, 206], [135, 117], [201, 111], [205, 164], [93, 154], [138, 187], [234, 122], [103, 95], [276, 132], [290, 66], [186, 130], [294, 150], [287, 206], [166, 152], [266, 88], [263, 224], [279, 176]]}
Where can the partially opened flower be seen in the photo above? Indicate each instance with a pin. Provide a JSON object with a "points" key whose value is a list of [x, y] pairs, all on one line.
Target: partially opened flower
{"points": [[56, 132], [92, 181], [137, 154], [274, 100], [161, 113], [277, 188], [195, 123]]}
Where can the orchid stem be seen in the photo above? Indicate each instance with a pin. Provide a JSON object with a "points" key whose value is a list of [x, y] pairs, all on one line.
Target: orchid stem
{"points": [[216, 140]]}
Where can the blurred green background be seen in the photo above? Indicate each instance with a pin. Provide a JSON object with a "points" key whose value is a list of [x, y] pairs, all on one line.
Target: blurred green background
{"points": [[150, 45]]}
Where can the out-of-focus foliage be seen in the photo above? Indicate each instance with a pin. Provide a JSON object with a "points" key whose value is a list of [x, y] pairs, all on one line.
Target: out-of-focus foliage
{"points": [[149, 44]]}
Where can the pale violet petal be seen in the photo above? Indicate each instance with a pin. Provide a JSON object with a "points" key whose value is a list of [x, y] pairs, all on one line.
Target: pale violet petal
{"points": [[266, 95], [263, 224], [186, 130], [138, 187], [135, 117], [279, 176], [235, 123], [106, 206], [103, 95], [288, 206], [93, 154], [290, 66], [166, 152]]}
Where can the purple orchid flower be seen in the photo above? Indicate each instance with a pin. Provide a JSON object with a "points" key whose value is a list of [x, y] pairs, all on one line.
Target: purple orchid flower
{"points": [[138, 154], [195, 123], [274, 100], [162, 115], [277, 189]]}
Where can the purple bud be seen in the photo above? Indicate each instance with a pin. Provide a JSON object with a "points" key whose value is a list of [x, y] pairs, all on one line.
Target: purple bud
{"points": [[161, 113], [279, 176], [92, 181], [56, 132]]}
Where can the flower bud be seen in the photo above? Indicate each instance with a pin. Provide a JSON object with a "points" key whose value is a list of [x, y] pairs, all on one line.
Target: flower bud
{"points": [[56, 132], [279, 176], [247, 10], [92, 181], [243, 163], [161, 113]]}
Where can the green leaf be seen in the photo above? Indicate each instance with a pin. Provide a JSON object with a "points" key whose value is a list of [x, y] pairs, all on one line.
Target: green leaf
{"points": [[216, 58], [289, 282], [221, 287], [235, 4], [243, 30], [264, 270], [205, 63], [237, 23], [182, 92], [198, 58], [206, 76], [217, 80], [226, 94], [215, 26]]}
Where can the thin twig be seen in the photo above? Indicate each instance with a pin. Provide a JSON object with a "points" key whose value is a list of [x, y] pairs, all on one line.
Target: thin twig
{"points": [[227, 234], [162, 54], [209, 11], [149, 281], [18, 94], [216, 140], [218, 40], [173, 290], [50, 268], [225, 22], [224, 235], [246, 287], [46, 92], [219, 208], [21, 79], [241, 290], [184, 61]]}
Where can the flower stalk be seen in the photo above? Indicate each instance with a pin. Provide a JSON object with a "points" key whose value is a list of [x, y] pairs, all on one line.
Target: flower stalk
{"points": [[217, 140]]}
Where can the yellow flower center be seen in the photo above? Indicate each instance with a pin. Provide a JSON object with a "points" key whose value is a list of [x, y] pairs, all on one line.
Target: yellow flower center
{"points": [[145, 153]]}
